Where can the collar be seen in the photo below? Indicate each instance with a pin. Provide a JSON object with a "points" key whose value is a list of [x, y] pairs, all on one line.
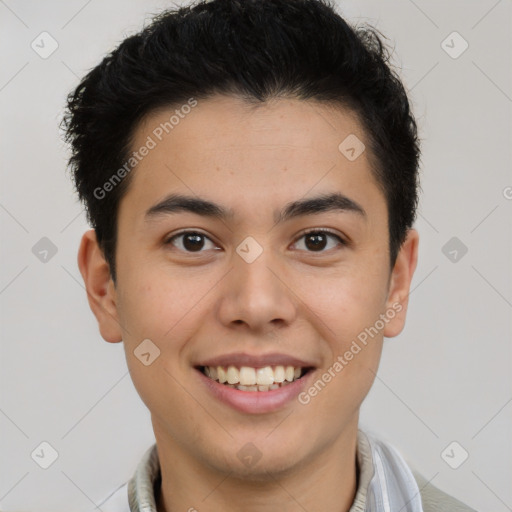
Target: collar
{"points": [[385, 482]]}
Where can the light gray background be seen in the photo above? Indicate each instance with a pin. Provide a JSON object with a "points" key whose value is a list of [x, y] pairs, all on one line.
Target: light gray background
{"points": [[446, 378]]}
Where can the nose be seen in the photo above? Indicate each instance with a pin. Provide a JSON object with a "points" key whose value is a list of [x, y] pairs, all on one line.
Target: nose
{"points": [[255, 295]]}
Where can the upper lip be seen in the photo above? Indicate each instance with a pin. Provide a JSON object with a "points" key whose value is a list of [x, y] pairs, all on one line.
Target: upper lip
{"points": [[240, 359]]}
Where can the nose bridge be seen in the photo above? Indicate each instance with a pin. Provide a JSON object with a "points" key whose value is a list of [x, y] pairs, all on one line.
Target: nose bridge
{"points": [[254, 293]]}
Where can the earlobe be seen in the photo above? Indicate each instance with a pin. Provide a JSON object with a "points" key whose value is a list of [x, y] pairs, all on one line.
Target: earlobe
{"points": [[400, 283], [101, 292]]}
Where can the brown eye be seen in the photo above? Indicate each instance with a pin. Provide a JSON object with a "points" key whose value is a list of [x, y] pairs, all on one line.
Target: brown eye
{"points": [[318, 241], [190, 241]]}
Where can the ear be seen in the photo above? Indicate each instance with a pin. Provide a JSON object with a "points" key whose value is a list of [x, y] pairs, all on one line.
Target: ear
{"points": [[400, 282], [101, 292]]}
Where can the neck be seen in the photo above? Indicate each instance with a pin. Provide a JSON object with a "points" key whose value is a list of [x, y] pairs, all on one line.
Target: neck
{"points": [[326, 481]]}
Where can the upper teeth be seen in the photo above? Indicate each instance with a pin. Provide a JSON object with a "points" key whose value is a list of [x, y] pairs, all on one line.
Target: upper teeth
{"points": [[247, 376]]}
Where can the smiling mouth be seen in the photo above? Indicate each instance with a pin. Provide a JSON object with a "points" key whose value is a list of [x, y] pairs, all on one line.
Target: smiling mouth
{"points": [[246, 378]]}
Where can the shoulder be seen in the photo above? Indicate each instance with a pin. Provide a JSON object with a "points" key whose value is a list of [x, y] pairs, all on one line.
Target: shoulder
{"points": [[435, 500]]}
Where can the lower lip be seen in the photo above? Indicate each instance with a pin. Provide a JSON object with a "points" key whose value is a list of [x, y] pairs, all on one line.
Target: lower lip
{"points": [[255, 402]]}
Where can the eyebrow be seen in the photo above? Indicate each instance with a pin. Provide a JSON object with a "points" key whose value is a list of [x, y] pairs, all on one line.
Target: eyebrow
{"points": [[335, 202]]}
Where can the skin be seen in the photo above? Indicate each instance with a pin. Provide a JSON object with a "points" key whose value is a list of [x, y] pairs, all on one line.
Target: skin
{"points": [[291, 299]]}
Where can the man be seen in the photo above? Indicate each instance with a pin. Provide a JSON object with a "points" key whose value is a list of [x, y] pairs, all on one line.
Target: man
{"points": [[250, 169]]}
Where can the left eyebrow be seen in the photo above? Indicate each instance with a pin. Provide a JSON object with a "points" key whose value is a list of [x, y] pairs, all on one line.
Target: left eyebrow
{"points": [[324, 203], [175, 203]]}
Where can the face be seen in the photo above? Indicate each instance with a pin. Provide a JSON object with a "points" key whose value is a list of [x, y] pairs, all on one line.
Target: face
{"points": [[272, 283]]}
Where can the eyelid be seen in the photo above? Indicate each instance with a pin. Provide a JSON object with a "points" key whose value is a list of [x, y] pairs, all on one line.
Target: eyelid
{"points": [[321, 230], [328, 231]]}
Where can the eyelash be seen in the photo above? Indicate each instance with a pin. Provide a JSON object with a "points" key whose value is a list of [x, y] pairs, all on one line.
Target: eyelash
{"points": [[312, 231]]}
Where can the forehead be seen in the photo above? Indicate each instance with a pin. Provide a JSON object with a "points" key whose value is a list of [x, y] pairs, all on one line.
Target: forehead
{"points": [[225, 147]]}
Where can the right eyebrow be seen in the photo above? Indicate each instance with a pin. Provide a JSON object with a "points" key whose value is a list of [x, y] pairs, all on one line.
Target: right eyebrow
{"points": [[177, 203]]}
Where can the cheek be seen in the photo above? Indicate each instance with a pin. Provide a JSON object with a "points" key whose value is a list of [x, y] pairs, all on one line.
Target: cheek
{"points": [[159, 387], [158, 306], [346, 303], [163, 311], [348, 314], [348, 306]]}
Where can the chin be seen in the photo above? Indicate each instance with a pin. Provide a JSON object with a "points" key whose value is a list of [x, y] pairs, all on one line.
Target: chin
{"points": [[263, 464], [264, 470]]}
